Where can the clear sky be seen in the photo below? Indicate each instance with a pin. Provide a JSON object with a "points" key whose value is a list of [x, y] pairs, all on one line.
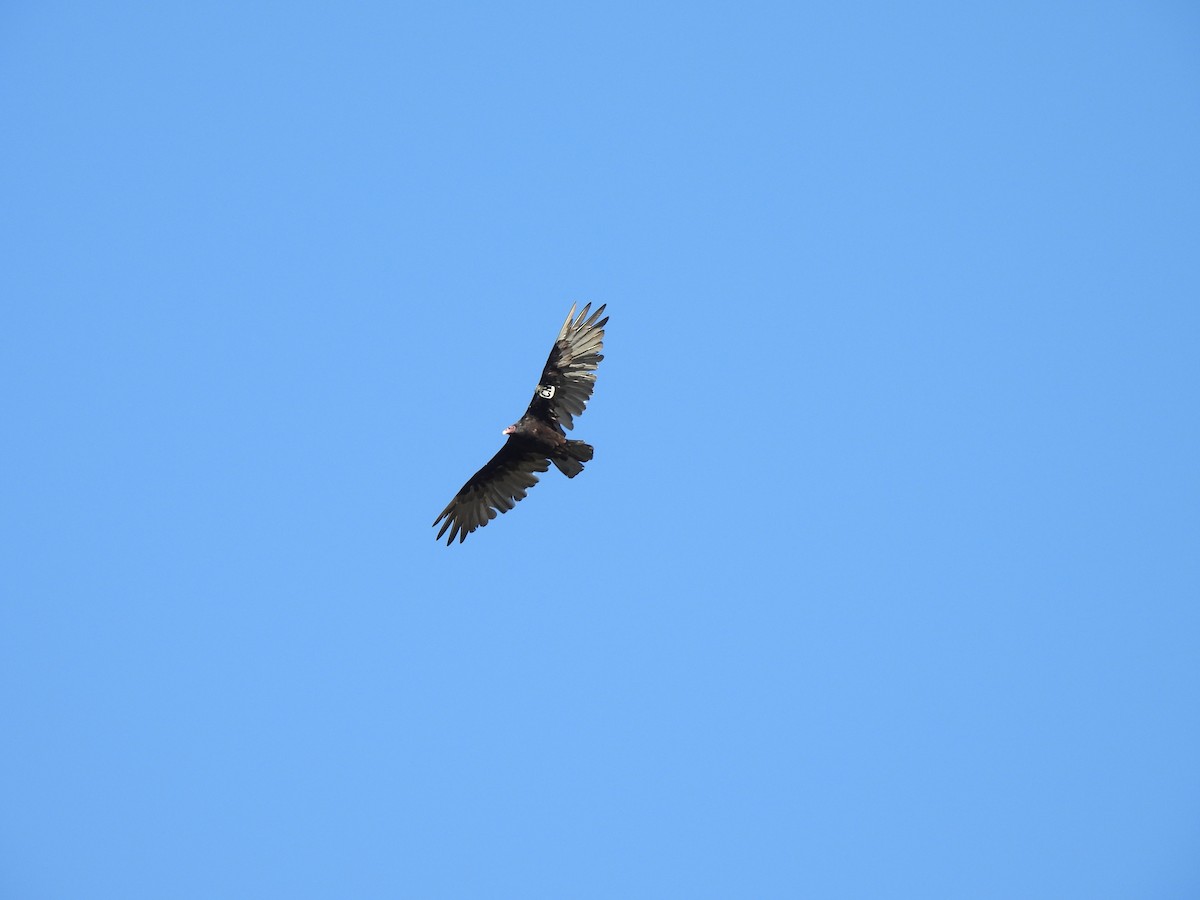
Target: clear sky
{"points": [[884, 581]]}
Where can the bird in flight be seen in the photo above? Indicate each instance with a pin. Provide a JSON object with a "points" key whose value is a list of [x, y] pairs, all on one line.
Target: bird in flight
{"points": [[537, 438]]}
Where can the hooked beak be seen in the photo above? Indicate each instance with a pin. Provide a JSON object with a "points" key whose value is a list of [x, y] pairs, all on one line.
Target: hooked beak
{"points": [[509, 430]]}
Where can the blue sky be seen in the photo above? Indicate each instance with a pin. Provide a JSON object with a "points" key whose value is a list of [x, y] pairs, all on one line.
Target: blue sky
{"points": [[884, 580]]}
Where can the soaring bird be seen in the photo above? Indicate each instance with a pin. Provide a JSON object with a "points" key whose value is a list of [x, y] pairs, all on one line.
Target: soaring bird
{"points": [[537, 438]]}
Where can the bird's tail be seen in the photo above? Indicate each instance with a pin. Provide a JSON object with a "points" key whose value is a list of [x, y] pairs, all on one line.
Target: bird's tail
{"points": [[574, 455]]}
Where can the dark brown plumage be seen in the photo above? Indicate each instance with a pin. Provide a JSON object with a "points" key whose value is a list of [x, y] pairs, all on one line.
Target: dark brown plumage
{"points": [[537, 438]]}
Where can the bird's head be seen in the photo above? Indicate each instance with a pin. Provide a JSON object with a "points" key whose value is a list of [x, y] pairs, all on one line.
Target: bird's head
{"points": [[511, 429]]}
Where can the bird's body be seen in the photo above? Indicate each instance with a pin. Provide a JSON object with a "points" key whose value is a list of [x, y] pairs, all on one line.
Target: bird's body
{"points": [[537, 439], [547, 434]]}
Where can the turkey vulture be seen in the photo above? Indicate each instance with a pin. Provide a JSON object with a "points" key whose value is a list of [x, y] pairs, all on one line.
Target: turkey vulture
{"points": [[537, 438]]}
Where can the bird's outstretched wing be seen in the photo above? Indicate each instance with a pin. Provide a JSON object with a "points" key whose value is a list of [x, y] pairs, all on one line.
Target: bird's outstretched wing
{"points": [[495, 488], [570, 373]]}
